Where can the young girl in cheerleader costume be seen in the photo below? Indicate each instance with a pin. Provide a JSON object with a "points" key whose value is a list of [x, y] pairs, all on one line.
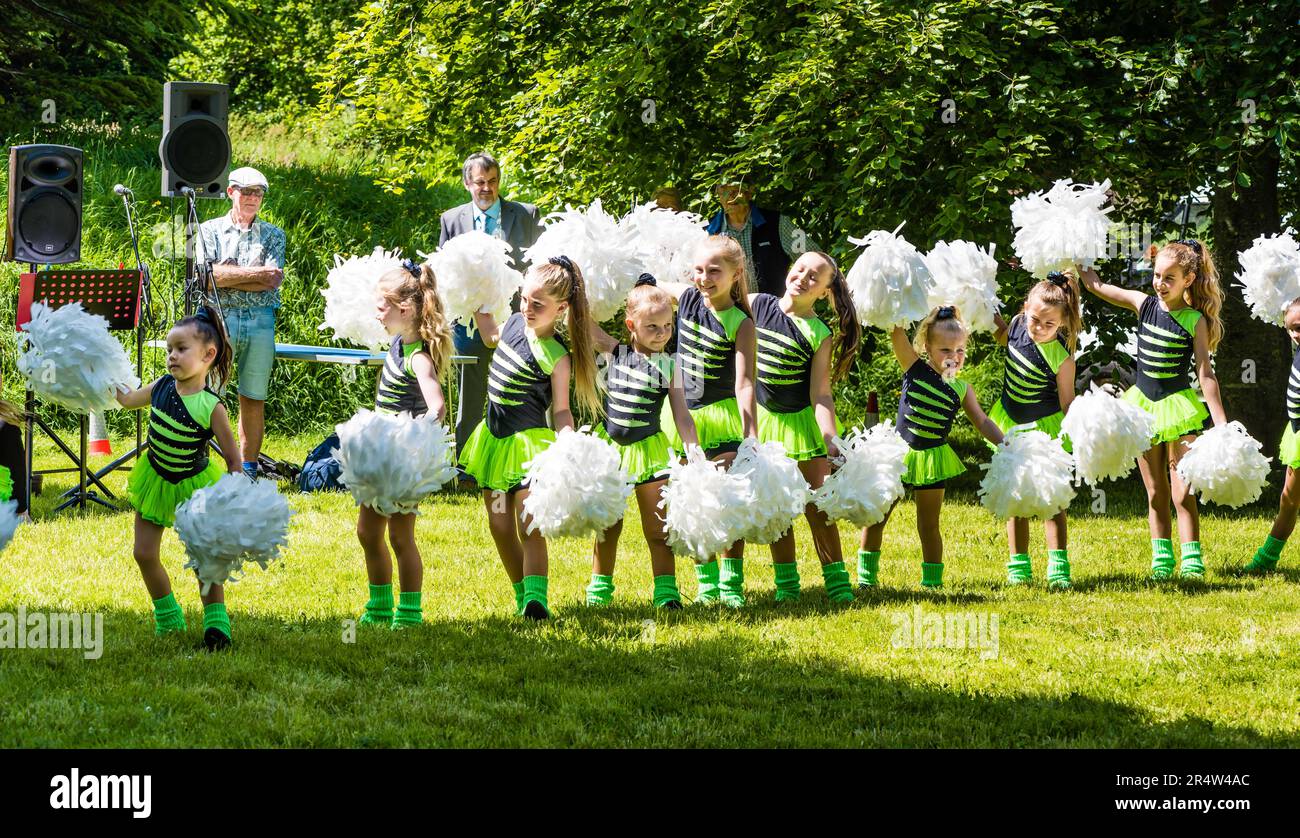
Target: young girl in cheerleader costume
{"points": [[638, 380], [715, 350], [1266, 557], [1037, 388], [797, 364], [184, 413], [529, 375], [931, 396], [411, 311], [1179, 324], [13, 460]]}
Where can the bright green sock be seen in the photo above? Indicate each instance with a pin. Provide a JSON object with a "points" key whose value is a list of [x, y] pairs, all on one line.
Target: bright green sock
{"points": [[1020, 570], [601, 589], [1058, 569], [836, 577], [731, 582], [787, 581], [1266, 557], [931, 574], [666, 590], [1162, 558], [409, 612], [519, 596], [535, 591], [215, 617], [707, 575], [1192, 566], [868, 567], [167, 615], [379, 608]]}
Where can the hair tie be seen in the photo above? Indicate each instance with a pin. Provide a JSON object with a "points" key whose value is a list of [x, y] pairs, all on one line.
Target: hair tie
{"points": [[945, 312], [1192, 243], [646, 279], [1058, 279], [411, 268], [564, 262]]}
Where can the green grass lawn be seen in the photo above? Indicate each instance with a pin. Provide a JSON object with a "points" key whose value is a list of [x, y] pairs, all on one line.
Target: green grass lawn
{"points": [[1116, 662]]}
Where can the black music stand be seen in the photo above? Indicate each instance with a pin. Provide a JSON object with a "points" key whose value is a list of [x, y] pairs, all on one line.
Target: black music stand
{"points": [[112, 294]]}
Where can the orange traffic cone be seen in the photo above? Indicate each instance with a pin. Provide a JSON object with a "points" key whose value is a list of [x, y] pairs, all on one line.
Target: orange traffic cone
{"points": [[99, 443]]}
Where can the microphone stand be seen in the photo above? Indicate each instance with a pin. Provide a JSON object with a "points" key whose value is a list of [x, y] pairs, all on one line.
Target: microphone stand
{"points": [[145, 321], [198, 272]]}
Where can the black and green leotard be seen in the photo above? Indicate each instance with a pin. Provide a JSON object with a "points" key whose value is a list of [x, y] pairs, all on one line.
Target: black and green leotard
{"points": [[177, 462], [515, 427], [399, 390], [1289, 453], [1029, 393], [1165, 351], [786, 346], [636, 392], [706, 355], [927, 407]]}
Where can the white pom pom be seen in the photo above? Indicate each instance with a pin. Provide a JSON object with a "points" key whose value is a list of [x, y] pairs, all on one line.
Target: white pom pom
{"points": [[1224, 465], [1270, 275], [576, 487], [473, 272], [1030, 476], [351, 295], [706, 506], [778, 491], [604, 251], [890, 282], [1064, 227], [965, 276], [9, 522], [869, 477], [665, 240], [389, 463], [1107, 435], [69, 357], [233, 521]]}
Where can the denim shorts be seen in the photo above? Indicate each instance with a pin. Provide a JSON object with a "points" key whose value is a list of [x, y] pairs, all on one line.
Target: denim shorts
{"points": [[252, 336]]}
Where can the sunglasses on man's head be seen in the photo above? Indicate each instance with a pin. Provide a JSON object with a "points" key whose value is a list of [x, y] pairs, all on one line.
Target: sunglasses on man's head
{"points": [[252, 191]]}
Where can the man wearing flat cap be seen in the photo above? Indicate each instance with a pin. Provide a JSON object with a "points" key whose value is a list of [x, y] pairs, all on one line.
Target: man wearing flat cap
{"points": [[247, 256]]}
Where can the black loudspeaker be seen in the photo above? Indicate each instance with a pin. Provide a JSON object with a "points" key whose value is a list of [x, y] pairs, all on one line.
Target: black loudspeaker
{"points": [[44, 220], [195, 148]]}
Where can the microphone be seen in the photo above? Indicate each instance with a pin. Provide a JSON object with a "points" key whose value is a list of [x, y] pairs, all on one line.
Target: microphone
{"points": [[185, 190], [122, 190]]}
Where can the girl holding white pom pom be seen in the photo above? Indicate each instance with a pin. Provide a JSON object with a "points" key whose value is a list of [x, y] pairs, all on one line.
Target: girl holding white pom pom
{"points": [[420, 354], [1037, 388], [797, 364], [639, 379], [716, 347], [931, 396], [1266, 557], [529, 375], [1179, 324], [184, 414]]}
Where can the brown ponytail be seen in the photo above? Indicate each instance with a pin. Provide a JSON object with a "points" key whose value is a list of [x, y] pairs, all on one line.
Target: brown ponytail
{"points": [[850, 331], [562, 280], [419, 288]]}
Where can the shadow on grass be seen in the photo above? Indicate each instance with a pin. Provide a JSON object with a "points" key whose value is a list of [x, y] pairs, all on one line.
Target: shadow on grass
{"points": [[504, 682]]}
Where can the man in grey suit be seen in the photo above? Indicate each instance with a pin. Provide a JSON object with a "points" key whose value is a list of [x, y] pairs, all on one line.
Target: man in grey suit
{"points": [[518, 224]]}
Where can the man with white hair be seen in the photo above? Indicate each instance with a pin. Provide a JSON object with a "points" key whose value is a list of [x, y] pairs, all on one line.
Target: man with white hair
{"points": [[247, 256]]}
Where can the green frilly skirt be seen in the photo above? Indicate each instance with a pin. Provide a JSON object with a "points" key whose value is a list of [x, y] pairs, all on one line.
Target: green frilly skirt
{"points": [[497, 463], [156, 498]]}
